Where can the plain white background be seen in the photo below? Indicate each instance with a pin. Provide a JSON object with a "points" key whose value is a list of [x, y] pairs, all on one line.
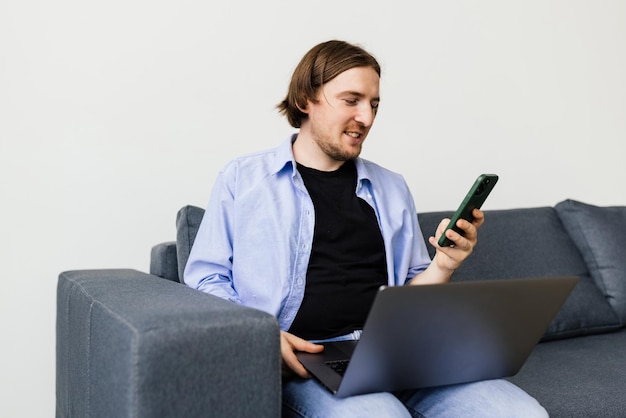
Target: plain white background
{"points": [[115, 114]]}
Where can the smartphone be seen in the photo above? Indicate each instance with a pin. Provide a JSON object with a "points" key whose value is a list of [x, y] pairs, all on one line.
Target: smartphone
{"points": [[473, 200]]}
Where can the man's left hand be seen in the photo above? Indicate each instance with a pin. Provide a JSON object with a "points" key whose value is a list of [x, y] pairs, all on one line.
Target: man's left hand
{"points": [[450, 258]]}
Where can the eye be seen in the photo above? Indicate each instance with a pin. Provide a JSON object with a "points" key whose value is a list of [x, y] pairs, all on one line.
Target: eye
{"points": [[351, 102]]}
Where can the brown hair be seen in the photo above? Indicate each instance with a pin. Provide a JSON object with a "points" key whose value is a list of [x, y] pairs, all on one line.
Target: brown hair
{"points": [[318, 66]]}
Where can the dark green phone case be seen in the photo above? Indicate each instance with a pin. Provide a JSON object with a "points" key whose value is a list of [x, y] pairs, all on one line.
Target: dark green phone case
{"points": [[473, 200]]}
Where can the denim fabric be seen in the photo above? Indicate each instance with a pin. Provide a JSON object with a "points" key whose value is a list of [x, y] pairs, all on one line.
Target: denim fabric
{"points": [[491, 398], [306, 398]]}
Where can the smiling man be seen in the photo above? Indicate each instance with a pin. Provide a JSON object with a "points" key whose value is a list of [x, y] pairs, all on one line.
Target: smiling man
{"points": [[338, 120], [308, 232]]}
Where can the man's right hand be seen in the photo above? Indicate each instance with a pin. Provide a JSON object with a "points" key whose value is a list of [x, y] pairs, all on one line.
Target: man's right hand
{"points": [[289, 343]]}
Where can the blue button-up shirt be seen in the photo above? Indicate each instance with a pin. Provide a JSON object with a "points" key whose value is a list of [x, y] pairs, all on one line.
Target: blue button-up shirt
{"points": [[255, 239]]}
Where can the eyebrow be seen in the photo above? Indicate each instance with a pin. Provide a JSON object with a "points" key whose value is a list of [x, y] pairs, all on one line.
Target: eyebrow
{"points": [[357, 94]]}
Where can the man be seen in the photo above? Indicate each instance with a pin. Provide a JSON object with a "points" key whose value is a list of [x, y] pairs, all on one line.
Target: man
{"points": [[309, 231]]}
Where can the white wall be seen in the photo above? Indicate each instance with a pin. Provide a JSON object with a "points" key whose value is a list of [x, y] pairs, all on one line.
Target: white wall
{"points": [[115, 114]]}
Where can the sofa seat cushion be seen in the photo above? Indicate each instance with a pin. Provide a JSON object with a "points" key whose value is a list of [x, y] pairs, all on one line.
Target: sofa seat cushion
{"points": [[532, 242], [578, 377], [600, 235]]}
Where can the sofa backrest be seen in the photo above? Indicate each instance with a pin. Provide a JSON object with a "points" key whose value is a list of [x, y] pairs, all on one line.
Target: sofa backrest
{"points": [[515, 243], [571, 239], [540, 242], [188, 221]]}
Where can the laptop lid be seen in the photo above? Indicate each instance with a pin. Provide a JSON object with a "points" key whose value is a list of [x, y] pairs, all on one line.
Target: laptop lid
{"points": [[433, 335]]}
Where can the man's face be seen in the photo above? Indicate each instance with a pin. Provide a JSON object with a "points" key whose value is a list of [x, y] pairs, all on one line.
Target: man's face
{"points": [[341, 119]]}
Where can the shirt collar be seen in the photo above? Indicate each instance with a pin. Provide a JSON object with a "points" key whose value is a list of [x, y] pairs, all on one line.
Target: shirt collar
{"points": [[361, 170], [284, 155], [285, 158]]}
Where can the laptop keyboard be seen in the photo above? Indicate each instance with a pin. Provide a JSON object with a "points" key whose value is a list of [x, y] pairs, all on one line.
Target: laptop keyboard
{"points": [[338, 366]]}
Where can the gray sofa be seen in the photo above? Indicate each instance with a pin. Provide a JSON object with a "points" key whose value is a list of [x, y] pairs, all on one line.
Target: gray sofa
{"points": [[131, 344]]}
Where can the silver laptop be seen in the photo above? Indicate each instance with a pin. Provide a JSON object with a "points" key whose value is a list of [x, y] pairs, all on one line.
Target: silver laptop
{"points": [[433, 335]]}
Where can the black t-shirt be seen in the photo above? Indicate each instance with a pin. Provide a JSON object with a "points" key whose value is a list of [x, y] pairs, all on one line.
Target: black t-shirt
{"points": [[347, 264]]}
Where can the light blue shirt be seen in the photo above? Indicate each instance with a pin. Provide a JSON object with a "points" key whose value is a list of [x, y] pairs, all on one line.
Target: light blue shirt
{"points": [[255, 239]]}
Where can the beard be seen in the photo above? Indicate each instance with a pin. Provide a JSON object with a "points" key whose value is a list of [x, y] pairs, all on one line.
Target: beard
{"points": [[336, 150]]}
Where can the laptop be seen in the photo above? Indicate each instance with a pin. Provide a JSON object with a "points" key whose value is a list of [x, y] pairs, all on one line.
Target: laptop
{"points": [[433, 335]]}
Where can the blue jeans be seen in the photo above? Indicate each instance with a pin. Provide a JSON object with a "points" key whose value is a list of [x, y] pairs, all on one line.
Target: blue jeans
{"points": [[490, 398], [307, 398]]}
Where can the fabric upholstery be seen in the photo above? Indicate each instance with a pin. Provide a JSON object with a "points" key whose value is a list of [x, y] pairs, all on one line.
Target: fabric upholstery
{"points": [[578, 377], [600, 235], [134, 345], [524, 243], [164, 261], [188, 221]]}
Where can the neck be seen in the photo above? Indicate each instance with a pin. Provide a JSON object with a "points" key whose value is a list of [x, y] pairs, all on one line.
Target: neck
{"points": [[308, 153]]}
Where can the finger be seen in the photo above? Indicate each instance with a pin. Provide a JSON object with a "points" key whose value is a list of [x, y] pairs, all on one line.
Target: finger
{"points": [[434, 242], [479, 217], [459, 242], [288, 344], [464, 243], [301, 344], [469, 229], [291, 362], [441, 227]]}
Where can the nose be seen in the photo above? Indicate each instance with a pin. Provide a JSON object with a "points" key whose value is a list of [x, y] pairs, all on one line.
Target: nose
{"points": [[365, 114]]}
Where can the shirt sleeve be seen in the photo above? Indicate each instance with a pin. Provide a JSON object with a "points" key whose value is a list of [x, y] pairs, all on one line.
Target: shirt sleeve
{"points": [[420, 259], [210, 263]]}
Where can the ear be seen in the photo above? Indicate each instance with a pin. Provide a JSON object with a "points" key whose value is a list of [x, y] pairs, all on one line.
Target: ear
{"points": [[304, 109]]}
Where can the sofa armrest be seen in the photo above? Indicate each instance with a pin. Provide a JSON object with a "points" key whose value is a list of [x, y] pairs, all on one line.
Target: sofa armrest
{"points": [[132, 344], [164, 261]]}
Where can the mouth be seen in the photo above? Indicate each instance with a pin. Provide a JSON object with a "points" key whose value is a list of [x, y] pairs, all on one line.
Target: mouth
{"points": [[354, 134]]}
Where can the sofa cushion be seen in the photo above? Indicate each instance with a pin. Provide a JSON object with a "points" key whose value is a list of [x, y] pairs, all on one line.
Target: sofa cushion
{"points": [[584, 312], [164, 261], [188, 221], [532, 242], [579, 377], [600, 235]]}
